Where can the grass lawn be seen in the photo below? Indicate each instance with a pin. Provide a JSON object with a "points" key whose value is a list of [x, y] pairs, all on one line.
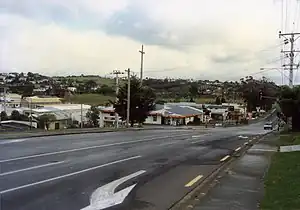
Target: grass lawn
{"points": [[282, 183], [91, 99]]}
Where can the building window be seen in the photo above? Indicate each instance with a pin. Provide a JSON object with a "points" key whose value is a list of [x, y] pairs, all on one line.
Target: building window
{"points": [[154, 118]]}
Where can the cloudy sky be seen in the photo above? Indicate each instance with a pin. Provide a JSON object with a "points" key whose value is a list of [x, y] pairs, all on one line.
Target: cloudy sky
{"points": [[200, 39]]}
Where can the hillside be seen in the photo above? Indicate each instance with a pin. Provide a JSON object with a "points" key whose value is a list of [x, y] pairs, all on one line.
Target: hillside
{"points": [[94, 90]]}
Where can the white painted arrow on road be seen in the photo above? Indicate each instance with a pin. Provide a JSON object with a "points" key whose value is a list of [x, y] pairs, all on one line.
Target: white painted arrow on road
{"points": [[105, 197]]}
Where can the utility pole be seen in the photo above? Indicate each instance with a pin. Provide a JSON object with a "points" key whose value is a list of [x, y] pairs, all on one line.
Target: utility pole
{"points": [[4, 98], [81, 117], [291, 54], [30, 113], [116, 72], [142, 63], [128, 97]]}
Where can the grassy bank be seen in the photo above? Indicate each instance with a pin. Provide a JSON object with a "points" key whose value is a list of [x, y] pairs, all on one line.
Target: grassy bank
{"points": [[282, 183], [91, 99]]}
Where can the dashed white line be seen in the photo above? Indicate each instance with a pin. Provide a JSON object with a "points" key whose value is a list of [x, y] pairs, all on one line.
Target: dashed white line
{"points": [[12, 141], [31, 168], [196, 136], [237, 149], [195, 142], [67, 175], [225, 158]]}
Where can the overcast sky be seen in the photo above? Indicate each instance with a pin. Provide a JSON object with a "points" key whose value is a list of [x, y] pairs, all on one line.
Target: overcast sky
{"points": [[200, 39]]}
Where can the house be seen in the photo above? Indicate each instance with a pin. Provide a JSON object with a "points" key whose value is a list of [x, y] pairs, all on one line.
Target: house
{"points": [[174, 114], [74, 111], [107, 116], [11, 100], [36, 101], [72, 89], [61, 121]]}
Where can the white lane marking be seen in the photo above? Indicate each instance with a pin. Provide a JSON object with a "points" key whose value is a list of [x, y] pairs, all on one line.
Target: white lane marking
{"points": [[105, 197], [85, 148], [31, 168], [195, 142], [12, 141], [237, 149], [35, 138], [225, 158], [243, 137], [68, 175], [197, 136]]}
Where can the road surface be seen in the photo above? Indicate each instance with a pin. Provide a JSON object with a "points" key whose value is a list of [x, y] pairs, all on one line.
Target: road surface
{"points": [[134, 169]]}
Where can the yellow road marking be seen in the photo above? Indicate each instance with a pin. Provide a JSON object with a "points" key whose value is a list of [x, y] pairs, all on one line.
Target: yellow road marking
{"points": [[225, 158], [237, 149], [192, 182]]}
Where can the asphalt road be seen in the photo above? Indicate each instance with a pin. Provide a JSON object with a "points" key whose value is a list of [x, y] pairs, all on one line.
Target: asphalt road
{"points": [[90, 171]]}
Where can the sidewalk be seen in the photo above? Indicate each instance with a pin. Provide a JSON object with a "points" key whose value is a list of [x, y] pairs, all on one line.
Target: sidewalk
{"points": [[241, 187]]}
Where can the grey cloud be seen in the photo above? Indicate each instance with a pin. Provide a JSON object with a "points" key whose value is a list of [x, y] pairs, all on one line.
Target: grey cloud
{"points": [[231, 57], [69, 15], [136, 25], [38, 10]]}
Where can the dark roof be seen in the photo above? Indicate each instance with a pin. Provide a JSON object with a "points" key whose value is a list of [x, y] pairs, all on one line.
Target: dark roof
{"points": [[183, 110], [158, 107]]}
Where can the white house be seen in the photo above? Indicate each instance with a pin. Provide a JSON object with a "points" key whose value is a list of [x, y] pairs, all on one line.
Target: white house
{"points": [[170, 114], [107, 116]]}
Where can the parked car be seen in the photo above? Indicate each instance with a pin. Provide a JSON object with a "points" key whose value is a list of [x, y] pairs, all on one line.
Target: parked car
{"points": [[268, 126]]}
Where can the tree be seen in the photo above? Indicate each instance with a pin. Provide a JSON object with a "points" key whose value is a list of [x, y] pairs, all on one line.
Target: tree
{"points": [[193, 92], [89, 85], [106, 90], [3, 116], [223, 100], [141, 101], [250, 89], [93, 116], [218, 101], [45, 120], [15, 115], [27, 90], [290, 106]]}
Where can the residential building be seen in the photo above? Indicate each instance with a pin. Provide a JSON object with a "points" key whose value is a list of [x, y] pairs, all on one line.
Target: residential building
{"points": [[73, 111], [107, 117], [11, 100], [36, 101], [62, 119], [174, 114]]}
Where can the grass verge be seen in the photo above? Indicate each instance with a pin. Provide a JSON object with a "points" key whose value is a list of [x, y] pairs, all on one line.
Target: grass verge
{"points": [[282, 183]]}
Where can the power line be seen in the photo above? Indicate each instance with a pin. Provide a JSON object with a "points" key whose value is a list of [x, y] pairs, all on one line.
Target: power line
{"points": [[291, 54]]}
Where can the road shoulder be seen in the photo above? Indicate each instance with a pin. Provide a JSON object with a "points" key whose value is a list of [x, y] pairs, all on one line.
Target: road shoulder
{"points": [[240, 185]]}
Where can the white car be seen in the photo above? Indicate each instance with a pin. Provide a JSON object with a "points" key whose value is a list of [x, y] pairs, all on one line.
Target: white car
{"points": [[268, 126]]}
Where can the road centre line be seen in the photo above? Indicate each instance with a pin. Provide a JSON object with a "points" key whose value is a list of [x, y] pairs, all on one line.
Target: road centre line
{"points": [[197, 136], [31, 168], [225, 158], [193, 181], [237, 149], [68, 175], [87, 148]]}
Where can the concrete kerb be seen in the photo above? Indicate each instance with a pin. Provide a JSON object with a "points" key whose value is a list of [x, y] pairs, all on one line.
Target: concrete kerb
{"points": [[207, 183]]}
